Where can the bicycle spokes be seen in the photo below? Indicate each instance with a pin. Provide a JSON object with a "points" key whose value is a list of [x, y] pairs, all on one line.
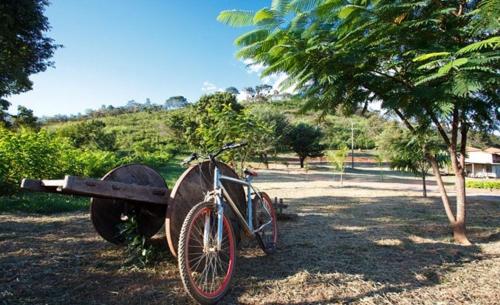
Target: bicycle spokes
{"points": [[265, 223], [208, 266]]}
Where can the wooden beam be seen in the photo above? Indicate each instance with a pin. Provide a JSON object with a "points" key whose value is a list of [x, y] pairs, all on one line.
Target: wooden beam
{"points": [[88, 187]]}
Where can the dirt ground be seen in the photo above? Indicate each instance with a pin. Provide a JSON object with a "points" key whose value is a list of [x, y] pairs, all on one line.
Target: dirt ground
{"points": [[373, 241]]}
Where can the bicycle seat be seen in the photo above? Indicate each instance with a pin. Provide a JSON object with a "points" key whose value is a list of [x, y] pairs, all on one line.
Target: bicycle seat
{"points": [[250, 172]]}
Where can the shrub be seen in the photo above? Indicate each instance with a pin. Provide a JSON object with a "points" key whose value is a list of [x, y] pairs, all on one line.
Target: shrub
{"points": [[89, 134], [153, 159], [40, 155], [31, 154], [96, 163], [484, 184]]}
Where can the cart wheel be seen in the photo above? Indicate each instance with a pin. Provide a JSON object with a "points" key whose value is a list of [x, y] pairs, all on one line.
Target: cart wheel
{"points": [[190, 189], [108, 214]]}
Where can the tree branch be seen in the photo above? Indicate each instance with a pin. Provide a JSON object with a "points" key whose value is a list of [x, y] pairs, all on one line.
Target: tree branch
{"points": [[404, 119], [399, 80], [440, 128]]}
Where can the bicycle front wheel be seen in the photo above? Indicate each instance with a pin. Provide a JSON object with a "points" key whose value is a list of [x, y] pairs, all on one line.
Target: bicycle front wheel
{"points": [[206, 272]]}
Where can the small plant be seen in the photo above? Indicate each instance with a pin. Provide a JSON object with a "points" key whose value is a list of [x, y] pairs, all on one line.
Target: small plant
{"points": [[491, 184], [337, 159], [380, 159], [139, 253]]}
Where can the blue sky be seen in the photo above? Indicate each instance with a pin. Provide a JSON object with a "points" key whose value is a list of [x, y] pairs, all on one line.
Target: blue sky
{"points": [[118, 50]]}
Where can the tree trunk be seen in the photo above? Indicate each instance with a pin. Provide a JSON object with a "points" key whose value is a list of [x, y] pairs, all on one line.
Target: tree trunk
{"points": [[264, 159], [301, 159], [459, 225], [424, 186], [442, 190]]}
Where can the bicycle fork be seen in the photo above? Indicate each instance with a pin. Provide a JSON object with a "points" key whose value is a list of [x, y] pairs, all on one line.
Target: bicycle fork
{"points": [[220, 214]]}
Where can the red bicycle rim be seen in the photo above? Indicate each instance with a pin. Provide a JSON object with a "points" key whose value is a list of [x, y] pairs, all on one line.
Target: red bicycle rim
{"points": [[230, 240]]}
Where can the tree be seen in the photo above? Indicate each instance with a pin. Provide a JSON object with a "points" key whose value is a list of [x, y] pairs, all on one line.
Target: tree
{"points": [[262, 92], [338, 159], [175, 102], [131, 106], [250, 92], [339, 54], [25, 118], [233, 90], [24, 48], [304, 140], [409, 152], [274, 140], [217, 119], [4, 106]]}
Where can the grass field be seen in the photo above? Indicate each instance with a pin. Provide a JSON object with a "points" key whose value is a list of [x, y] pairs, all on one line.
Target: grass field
{"points": [[372, 241]]}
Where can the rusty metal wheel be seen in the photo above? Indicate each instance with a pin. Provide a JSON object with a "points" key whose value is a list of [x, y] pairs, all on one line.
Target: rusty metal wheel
{"points": [[107, 214]]}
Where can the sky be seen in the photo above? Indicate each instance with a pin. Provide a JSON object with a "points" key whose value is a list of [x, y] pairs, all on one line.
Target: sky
{"points": [[120, 50]]}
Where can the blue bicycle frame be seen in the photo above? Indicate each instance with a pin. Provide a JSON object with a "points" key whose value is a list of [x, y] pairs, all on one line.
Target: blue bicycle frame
{"points": [[221, 194]]}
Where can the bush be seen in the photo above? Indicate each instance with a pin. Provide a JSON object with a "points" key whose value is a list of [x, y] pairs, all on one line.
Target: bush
{"points": [[89, 134], [27, 153], [95, 163], [40, 155], [484, 184]]}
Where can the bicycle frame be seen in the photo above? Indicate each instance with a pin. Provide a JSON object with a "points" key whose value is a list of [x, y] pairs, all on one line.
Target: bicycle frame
{"points": [[221, 193]]}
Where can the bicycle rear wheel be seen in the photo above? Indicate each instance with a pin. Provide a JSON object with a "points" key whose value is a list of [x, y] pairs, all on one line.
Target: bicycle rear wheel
{"points": [[206, 272], [265, 219]]}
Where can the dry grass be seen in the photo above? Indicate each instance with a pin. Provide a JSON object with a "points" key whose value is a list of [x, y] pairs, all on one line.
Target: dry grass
{"points": [[370, 242]]}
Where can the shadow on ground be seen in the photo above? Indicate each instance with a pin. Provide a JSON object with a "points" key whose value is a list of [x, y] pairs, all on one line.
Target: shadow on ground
{"points": [[339, 250]]}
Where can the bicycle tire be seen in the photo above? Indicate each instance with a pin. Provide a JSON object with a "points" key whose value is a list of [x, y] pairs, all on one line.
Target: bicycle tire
{"points": [[190, 264], [267, 243]]}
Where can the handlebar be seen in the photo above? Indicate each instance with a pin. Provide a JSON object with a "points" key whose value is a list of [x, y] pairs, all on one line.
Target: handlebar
{"points": [[228, 146], [193, 156]]}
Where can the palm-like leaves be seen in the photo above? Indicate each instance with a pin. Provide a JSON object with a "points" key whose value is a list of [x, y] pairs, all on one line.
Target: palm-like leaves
{"points": [[340, 52]]}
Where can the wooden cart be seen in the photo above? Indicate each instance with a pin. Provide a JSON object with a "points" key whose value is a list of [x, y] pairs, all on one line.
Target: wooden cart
{"points": [[140, 191]]}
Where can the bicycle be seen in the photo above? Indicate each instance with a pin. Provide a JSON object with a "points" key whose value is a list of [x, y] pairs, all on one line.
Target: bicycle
{"points": [[207, 246]]}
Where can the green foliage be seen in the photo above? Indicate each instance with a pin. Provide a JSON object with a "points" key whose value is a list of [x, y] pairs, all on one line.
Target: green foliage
{"points": [[25, 118], [304, 140], [217, 119], [341, 54], [32, 154], [277, 122], [89, 134], [406, 151], [4, 106], [139, 252], [42, 155], [338, 158], [176, 102], [483, 184], [95, 163], [338, 131], [24, 48], [232, 90]]}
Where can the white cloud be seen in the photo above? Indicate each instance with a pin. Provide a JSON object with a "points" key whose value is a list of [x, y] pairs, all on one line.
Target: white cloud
{"points": [[209, 87], [253, 67], [274, 80]]}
